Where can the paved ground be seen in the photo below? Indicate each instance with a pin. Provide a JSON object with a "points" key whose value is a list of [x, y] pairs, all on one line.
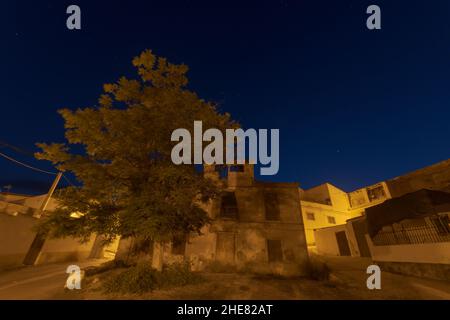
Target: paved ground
{"points": [[349, 282], [39, 282], [351, 272]]}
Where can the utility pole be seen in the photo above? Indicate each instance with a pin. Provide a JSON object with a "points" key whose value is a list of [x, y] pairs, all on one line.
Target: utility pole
{"points": [[44, 204], [35, 249]]}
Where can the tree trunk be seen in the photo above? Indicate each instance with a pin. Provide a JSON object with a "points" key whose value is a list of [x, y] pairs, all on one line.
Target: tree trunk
{"points": [[158, 256]]}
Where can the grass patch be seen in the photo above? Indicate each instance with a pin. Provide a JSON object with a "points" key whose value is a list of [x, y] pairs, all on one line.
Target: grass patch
{"points": [[143, 278]]}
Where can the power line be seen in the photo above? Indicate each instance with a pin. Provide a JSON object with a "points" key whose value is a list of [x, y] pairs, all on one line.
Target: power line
{"points": [[26, 165], [17, 149], [5, 144]]}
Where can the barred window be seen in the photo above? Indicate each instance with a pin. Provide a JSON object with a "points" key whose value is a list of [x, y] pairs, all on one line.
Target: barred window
{"points": [[272, 206], [229, 208]]}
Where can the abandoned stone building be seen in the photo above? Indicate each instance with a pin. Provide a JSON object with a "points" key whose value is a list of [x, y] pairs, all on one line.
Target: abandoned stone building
{"points": [[256, 226]]}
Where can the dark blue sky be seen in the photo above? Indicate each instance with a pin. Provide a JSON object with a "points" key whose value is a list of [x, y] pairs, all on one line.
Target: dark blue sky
{"points": [[353, 106]]}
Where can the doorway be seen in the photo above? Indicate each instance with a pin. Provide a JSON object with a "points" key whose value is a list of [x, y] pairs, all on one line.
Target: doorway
{"points": [[225, 247], [341, 238]]}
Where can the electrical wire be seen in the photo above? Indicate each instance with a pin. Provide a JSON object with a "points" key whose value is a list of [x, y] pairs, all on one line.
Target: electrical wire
{"points": [[26, 165]]}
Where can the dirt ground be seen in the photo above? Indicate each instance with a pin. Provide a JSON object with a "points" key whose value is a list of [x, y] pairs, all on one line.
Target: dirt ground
{"points": [[348, 281]]}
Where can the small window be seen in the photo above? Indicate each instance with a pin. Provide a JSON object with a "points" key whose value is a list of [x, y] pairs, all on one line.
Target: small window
{"points": [[272, 207], [237, 168], [179, 245], [222, 170], [376, 193], [274, 250], [310, 216], [229, 208], [331, 220]]}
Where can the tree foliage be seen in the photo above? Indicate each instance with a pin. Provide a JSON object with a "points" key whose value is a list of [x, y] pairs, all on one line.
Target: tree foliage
{"points": [[128, 183]]}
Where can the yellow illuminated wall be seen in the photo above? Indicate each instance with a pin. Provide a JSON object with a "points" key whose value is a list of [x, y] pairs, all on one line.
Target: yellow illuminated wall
{"points": [[326, 205]]}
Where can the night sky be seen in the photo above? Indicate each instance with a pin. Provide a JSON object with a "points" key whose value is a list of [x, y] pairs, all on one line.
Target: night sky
{"points": [[353, 106]]}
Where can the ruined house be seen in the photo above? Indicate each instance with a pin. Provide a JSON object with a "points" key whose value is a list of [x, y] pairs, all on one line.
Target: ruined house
{"points": [[256, 227]]}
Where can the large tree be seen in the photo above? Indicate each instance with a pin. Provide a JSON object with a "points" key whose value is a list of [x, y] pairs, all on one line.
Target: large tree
{"points": [[128, 185]]}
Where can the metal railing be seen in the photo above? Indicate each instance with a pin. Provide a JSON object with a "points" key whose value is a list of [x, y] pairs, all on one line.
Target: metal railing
{"points": [[411, 235]]}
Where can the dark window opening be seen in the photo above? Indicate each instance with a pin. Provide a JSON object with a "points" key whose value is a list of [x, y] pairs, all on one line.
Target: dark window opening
{"points": [[179, 245], [331, 220], [376, 193], [310, 216], [341, 238], [229, 208], [272, 206], [222, 170], [237, 168], [274, 250]]}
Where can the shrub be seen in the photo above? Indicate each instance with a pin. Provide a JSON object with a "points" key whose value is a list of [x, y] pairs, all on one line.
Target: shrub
{"points": [[143, 278], [316, 270]]}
